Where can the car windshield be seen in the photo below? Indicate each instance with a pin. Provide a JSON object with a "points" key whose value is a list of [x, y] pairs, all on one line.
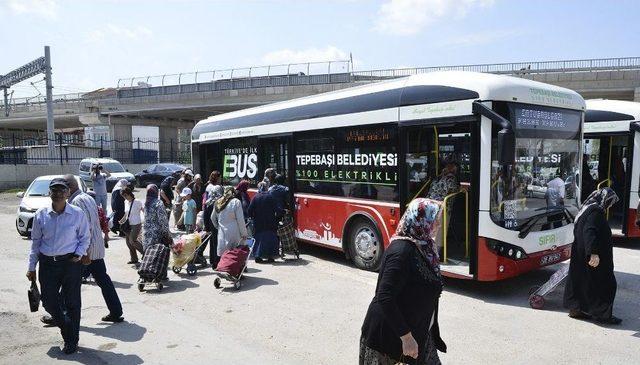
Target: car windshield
{"points": [[39, 188], [113, 167]]}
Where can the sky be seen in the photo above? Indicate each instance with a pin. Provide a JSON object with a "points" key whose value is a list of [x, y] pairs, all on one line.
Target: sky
{"points": [[94, 43]]}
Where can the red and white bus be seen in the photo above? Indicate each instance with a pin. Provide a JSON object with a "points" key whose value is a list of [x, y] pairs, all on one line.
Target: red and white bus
{"points": [[354, 158], [611, 151]]}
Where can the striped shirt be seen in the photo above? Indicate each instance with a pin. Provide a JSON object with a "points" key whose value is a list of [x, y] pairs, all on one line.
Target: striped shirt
{"points": [[56, 234], [88, 205]]}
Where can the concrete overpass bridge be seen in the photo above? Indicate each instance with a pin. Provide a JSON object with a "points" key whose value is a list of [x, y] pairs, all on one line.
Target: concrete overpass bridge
{"points": [[176, 106]]}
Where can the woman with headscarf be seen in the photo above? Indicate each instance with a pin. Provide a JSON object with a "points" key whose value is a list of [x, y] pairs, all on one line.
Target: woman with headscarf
{"points": [[401, 324], [197, 191], [117, 205], [591, 285], [264, 211], [445, 184], [228, 218], [243, 196], [156, 222]]}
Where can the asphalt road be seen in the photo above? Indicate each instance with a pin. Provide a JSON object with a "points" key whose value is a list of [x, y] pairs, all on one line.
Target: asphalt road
{"points": [[303, 312]]}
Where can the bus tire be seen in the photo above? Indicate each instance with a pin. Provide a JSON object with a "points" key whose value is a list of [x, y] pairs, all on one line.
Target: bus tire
{"points": [[365, 245]]}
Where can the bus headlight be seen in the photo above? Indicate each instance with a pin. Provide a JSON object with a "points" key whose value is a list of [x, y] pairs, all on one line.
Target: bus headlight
{"points": [[506, 250]]}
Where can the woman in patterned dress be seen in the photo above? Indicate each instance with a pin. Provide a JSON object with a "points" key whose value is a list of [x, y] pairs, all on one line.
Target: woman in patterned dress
{"points": [[401, 324], [156, 223]]}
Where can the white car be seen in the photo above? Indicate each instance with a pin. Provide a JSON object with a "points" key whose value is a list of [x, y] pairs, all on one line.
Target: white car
{"points": [[116, 169], [36, 197]]}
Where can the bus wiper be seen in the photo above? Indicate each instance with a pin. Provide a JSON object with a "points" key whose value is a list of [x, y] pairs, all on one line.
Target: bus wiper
{"points": [[529, 223]]}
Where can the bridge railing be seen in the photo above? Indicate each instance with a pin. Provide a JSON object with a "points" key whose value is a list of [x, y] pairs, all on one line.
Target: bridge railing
{"points": [[514, 68], [39, 103], [312, 73]]}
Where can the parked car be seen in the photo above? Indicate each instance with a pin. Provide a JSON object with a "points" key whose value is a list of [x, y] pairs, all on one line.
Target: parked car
{"points": [[35, 197], [154, 174], [114, 167]]}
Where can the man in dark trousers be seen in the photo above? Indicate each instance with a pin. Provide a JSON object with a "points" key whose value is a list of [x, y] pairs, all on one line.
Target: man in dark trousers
{"points": [[60, 239], [96, 251]]}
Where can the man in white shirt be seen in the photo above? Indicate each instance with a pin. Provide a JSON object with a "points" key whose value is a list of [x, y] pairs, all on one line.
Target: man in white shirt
{"points": [[555, 192], [96, 251]]}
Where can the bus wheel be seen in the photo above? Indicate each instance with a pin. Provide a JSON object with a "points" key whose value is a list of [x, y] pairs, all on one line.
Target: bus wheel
{"points": [[366, 245]]}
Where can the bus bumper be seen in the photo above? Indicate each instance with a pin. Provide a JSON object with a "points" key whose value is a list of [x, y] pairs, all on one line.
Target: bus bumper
{"points": [[493, 267]]}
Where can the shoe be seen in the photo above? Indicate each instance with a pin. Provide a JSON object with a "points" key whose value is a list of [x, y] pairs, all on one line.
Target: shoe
{"points": [[69, 349], [271, 260], [578, 314], [112, 318], [259, 260], [132, 262], [48, 321], [611, 320]]}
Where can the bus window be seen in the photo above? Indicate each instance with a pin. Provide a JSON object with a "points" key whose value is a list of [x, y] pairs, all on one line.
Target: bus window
{"points": [[315, 163], [426, 156], [274, 153], [420, 160], [366, 162]]}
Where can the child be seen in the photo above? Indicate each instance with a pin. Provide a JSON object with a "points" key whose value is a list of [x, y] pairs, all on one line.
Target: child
{"points": [[189, 210]]}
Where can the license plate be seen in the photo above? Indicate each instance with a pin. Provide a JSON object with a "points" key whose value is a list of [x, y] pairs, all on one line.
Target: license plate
{"points": [[548, 259]]}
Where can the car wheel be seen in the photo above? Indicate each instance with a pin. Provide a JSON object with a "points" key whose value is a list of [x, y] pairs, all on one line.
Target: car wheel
{"points": [[366, 245], [23, 234]]}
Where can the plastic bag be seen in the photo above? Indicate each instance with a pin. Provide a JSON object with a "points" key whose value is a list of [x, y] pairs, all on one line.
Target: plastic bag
{"points": [[184, 248]]}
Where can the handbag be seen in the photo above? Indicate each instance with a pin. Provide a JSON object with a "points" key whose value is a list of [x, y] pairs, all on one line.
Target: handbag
{"points": [[126, 226], [33, 293]]}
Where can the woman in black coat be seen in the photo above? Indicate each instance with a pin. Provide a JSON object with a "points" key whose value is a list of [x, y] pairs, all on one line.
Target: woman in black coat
{"points": [[401, 324], [591, 286], [117, 205], [264, 211]]}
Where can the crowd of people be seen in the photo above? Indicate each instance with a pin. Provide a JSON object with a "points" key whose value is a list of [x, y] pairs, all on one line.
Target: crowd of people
{"points": [[401, 325]]}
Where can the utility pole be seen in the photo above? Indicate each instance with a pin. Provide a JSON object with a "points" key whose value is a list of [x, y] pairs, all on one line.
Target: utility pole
{"points": [[38, 66], [51, 137]]}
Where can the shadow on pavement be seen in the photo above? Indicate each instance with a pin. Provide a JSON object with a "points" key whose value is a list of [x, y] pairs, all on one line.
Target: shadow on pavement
{"points": [[94, 357], [124, 331], [290, 262], [119, 285], [325, 253], [248, 283]]}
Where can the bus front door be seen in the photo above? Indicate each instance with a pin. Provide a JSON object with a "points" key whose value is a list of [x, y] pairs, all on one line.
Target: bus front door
{"points": [[438, 162], [606, 165]]}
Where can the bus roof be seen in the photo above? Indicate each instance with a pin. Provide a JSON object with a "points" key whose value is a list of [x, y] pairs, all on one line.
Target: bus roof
{"points": [[610, 116], [429, 88]]}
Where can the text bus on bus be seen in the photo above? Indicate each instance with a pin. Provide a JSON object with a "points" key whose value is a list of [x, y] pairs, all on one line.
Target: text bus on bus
{"points": [[612, 158], [354, 158]]}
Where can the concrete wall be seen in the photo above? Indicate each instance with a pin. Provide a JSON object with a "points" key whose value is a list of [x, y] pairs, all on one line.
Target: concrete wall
{"points": [[20, 176]]}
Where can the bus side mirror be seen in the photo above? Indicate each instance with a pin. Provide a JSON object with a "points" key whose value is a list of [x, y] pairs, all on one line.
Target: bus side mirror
{"points": [[506, 146]]}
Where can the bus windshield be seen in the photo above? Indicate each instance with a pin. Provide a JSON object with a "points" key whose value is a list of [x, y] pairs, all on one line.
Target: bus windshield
{"points": [[539, 190]]}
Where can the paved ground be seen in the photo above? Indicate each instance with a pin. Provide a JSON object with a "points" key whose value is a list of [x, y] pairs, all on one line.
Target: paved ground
{"points": [[306, 312]]}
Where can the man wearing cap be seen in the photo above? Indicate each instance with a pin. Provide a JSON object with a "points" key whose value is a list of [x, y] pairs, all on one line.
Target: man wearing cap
{"points": [[186, 178], [59, 241], [96, 252]]}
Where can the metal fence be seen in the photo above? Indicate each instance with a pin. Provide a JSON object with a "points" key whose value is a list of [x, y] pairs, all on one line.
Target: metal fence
{"points": [[513, 68], [72, 149]]}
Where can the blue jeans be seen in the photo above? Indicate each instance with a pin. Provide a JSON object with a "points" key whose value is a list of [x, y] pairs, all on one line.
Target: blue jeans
{"points": [[98, 270], [60, 283], [101, 200]]}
